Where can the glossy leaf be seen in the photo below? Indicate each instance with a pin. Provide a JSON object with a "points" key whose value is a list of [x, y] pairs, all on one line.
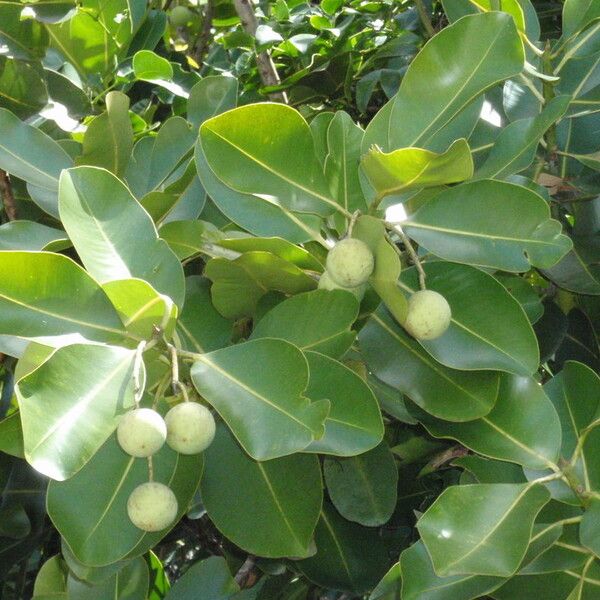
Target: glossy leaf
{"points": [[130, 583], [210, 577], [481, 529], [455, 67], [533, 440], [200, 327], [94, 206], [514, 150], [267, 164], [22, 87], [489, 329], [283, 495], [420, 582], [257, 214], [148, 66], [344, 140], [33, 156], [32, 236], [108, 140], [61, 299], [354, 423], [257, 387], [490, 224], [239, 284], [408, 168], [319, 320], [402, 363], [72, 403], [93, 519], [211, 96], [349, 557], [363, 487]]}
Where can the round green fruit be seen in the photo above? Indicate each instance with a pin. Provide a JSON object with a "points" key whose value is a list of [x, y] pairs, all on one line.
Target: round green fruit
{"points": [[142, 432], [350, 263], [152, 506], [180, 16], [428, 316], [326, 282], [190, 428]]}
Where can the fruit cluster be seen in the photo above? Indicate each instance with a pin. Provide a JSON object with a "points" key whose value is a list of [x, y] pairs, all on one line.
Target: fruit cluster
{"points": [[188, 428], [349, 265]]}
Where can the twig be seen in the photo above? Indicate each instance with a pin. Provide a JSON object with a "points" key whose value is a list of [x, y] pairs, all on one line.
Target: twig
{"points": [[150, 469], [266, 66], [425, 19], [203, 42], [414, 257], [8, 198]]}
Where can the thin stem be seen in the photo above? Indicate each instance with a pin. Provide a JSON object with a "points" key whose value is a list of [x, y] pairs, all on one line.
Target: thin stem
{"points": [[138, 362], [414, 257], [150, 469], [425, 18], [531, 86], [353, 220], [203, 41], [174, 368]]}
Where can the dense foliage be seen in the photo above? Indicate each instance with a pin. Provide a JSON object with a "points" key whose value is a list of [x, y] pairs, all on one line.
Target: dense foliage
{"points": [[360, 236]]}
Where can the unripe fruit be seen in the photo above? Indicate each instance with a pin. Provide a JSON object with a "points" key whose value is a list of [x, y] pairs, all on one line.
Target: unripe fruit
{"points": [[190, 428], [350, 262], [180, 16], [327, 283], [152, 506], [142, 432], [428, 315]]}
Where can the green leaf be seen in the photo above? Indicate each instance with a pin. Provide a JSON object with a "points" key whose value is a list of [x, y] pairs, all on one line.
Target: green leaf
{"points": [[589, 529], [363, 487], [499, 435], [72, 403], [130, 583], [93, 518], [275, 245], [31, 155], [280, 162], [344, 140], [349, 557], [55, 298], [211, 96], [63, 91], [26, 39], [283, 495], [108, 140], [28, 235], [51, 580], [489, 329], [524, 293], [453, 69], [148, 66], [354, 423], [420, 582], [188, 238], [402, 363], [408, 168], [573, 272], [515, 147], [22, 87], [481, 529], [200, 327], [319, 320], [141, 308], [257, 388], [209, 578], [94, 204], [239, 284], [11, 435], [260, 215], [491, 224]]}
